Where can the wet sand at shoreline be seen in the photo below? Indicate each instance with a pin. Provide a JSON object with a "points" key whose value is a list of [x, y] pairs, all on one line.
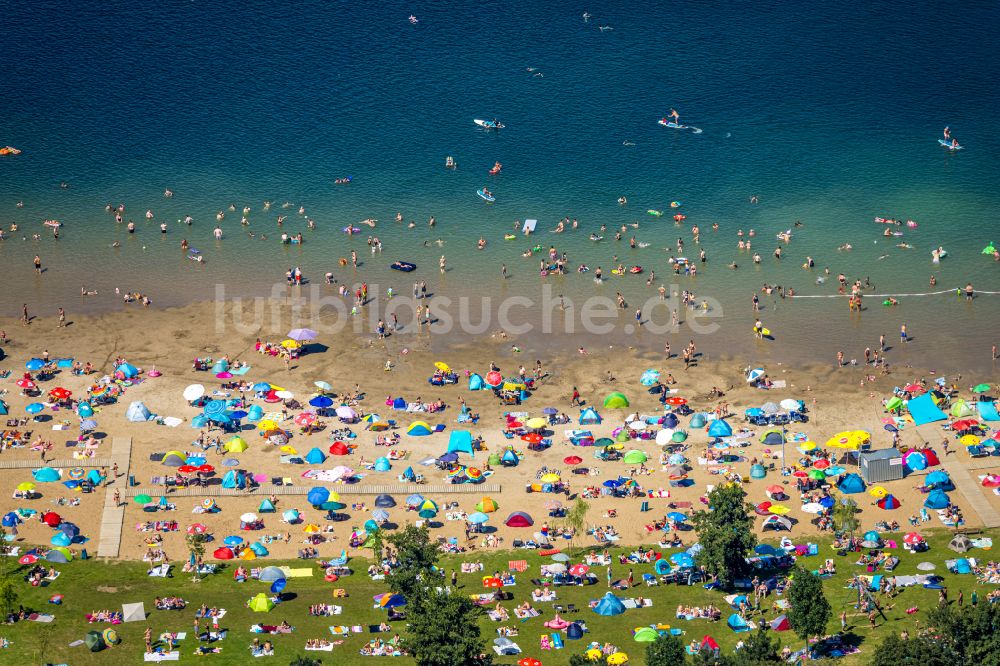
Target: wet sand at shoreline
{"points": [[170, 339]]}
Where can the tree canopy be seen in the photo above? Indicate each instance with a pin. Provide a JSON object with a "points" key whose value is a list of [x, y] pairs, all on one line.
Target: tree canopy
{"points": [[444, 631], [417, 556], [810, 611], [726, 534], [667, 650]]}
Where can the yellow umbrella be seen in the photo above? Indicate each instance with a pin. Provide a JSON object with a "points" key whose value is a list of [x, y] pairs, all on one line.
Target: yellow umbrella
{"points": [[778, 509], [26, 486], [536, 423], [267, 424], [550, 478], [442, 366], [291, 344], [849, 439], [311, 529], [969, 440], [334, 496], [513, 386], [593, 654], [289, 449], [878, 492], [807, 446], [617, 659], [248, 554]]}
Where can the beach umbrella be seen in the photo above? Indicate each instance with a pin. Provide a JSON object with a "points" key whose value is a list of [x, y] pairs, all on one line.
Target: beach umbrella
{"points": [[197, 528], [34, 364], [635, 457], [487, 505], [536, 423], [416, 500], [778, 509], [494, 378], [323, 386], [572, 460], [532, 438], [677, 517], [849, 439], [193, 392], [812, 507], [321, 402], [790, 404], [878, 492], [754, 375], [302, 334], [233, 540], [649, 377], [478, 518], [88, 424], [248, 518], [26, 486], [142, 499], [381, 515], [346, 412], [775, 490], [616, 400], [817, 474], [59, 393], [34, 408], [551, 477]]}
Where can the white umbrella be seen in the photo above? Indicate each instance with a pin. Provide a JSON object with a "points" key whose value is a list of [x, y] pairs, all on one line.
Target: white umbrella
{"points": [[812, 507], [637, 425], [248, 518], [557, 568], [323, 385], [926, 566], [754, 374], [346, 412], [285, 395], [193, 392], [560, 557], [664, 436]]}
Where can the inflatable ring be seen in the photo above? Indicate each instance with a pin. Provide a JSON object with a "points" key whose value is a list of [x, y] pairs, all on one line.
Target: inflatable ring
{"points": [[330, 578]]}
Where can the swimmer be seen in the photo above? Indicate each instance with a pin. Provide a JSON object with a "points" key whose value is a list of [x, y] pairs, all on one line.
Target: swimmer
{"points": [[622, 201]]}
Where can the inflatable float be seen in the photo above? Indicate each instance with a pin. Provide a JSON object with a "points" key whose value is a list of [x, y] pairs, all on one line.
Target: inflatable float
{"points": [[343, 181], [9, 150], [55, 224], [352, 230], [657, 213], [675, 204], [509, 236], [404, 266], [486, 196]]}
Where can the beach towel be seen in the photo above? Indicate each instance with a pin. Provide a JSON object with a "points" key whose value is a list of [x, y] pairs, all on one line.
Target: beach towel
{"points": [[239, 372], [41, 617], [517, 565], [162, 656], [923, 410], [297, 573], [172, 421], [325, 648], [340, 630]]}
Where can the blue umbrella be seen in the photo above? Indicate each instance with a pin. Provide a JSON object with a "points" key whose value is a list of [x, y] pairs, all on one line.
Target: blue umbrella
{"points": [[213, 407], [754, 411], [238, 414], [261, 387], [35, 364], [550, 411], [415, 499], [682, 560], [827, 502], [222, 418], [478, 518], [317, 495], [34, 408], [380, 514], [321, 401], [612, 483], [448, 457], [233, 540], [677, 516], [278, 586]]}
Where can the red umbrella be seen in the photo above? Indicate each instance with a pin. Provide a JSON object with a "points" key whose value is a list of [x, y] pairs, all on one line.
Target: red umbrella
{"points": [[800, 473], [206, 469], [494, 378], [763, 509], [914, 388], [676, 401], [532, 438], [579, 569], [272, 396], [28, 559], [52, 519], [25, 383], [822, 463], [305, 418], [964, 424], [912, 538], [775, 489], [196, 528], [529, 661], [572, 460], [59, 393], [514, 424], [187, 469]]}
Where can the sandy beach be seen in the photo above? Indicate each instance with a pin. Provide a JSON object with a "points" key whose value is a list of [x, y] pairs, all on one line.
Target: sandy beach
{"points": [[169, 340]]}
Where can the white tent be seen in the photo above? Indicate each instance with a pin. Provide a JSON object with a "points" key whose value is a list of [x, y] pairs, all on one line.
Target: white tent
{"points": [[137, 412], [133, 612]]}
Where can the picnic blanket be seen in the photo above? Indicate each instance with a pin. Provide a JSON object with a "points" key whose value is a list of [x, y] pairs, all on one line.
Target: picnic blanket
{"points": [[162, 656], [297, 573], [517, 565]]}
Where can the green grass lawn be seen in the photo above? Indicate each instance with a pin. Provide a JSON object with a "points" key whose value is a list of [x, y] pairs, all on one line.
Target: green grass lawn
{"points": [[92, 585]]}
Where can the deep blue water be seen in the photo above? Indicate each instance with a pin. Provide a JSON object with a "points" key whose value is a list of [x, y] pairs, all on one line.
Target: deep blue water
{"points": [[828, 113]]}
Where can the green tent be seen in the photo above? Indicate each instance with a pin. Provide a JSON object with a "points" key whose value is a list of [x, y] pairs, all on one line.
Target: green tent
{"points": [[616, 400], [961, 409], [678, 436], [261, 603], [894, 403], [635, 457], [494, 460], [645, 635]]}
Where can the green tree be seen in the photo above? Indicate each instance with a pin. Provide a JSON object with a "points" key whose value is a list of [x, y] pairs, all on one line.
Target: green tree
{"points": [[667, 650], [918, 651], [444, 630], [305, 661], [10, 585], [972, 632], [576, 517], [196, 547], [759, 648], [376, 541], [417, 556], [726, 534], [845, 515], [810, 611]]}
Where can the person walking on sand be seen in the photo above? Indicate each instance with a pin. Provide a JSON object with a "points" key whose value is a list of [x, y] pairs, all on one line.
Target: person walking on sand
{"points": [[575, 400], [25, 319], [902, 334], [62, 318]]}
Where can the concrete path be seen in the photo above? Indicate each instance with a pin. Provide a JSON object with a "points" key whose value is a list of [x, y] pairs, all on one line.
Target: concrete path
{"points": [[972, 490]]}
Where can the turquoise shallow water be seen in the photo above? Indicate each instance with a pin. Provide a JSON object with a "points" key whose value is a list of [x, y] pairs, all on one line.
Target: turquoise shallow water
{"points": [[830, 117]]}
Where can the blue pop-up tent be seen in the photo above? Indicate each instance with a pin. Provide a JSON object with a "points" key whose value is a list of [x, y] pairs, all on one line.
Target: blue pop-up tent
{"points": [[923, 410], [609, 604], [851, 484], [460, 441], [589, 416]]}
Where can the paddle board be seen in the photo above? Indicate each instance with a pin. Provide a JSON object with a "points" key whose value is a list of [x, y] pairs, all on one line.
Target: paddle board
{"points": [[488, 124], [657, 213], [947, 144], [486, 197], [671, 124], [765, 332]]}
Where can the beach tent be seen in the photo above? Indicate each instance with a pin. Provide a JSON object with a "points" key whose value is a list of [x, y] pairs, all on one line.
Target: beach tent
{"points": [[385, 502], [174, 459], [616, 400], [923, 410], [127, 370], [757, 471], [589, 416], [939, 479], [780, 623], [382, 464], [134, 612], [234, 478], [775, 522], [508, 459], [609, 605], [59, 555], [519, 519], [670, 420], [460, 441], [698, 420], [46, 475], [645, 635], [315, 456], [475, 382], [937, 499], [719, 428], [339, 449], [851, 484], [708, 643], [960, 543], [419, 429], [960, 409], [260, 603], [235, 445], [737, 623], [772, 437], [399, 404], [266, 506], [4, 410], [662, 567], [574, 631], [137, 412], [271, 574]]}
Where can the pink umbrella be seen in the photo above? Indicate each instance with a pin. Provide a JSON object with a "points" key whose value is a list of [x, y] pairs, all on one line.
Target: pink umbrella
{"points": [[196, 528], [579, 569], [224, 375], [305, 418]]}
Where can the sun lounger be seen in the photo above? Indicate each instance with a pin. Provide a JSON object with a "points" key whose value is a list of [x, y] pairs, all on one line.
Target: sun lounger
{"points": [[325, 648]]}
